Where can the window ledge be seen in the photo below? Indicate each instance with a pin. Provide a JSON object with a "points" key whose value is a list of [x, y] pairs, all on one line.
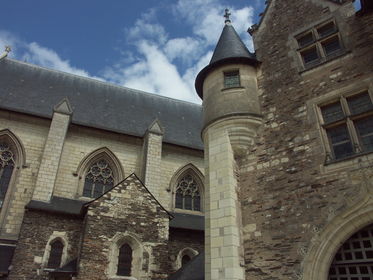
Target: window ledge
{"points": [[356, 155], [347, 162], [117, 277], [229, 88], [190, 212], [325, 61]]}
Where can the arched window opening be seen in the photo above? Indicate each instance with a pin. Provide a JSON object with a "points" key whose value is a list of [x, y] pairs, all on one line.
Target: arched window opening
{"points": [[124, 260], [55, 255], [7, 162], [185, 259], [188, 194], [99, 179], [354, 259]]}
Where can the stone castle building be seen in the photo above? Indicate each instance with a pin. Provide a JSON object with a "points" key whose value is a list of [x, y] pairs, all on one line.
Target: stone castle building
{"points": [[271, 178]]}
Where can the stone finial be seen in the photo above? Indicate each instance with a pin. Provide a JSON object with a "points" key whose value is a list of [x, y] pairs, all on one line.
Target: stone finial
{"points": [[63, 107], [156, 127]]}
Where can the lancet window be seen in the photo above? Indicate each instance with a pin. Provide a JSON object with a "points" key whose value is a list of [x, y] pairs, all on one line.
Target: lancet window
{"points": [[7, 162], [124, 260], [55, 255], [99, 179], [188, 194]]}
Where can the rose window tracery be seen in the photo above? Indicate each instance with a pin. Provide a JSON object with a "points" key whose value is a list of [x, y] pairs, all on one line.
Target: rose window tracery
{"points": [[99, 179], [6, 169], [187, 194]]}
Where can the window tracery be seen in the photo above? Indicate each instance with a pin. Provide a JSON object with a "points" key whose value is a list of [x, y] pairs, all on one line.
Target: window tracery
{"points": [[187, 194], [99, 179], [7, 162]]}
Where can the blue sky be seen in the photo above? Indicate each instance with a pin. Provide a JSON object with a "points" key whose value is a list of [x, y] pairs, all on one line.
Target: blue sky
{"points": [[153, 45]]}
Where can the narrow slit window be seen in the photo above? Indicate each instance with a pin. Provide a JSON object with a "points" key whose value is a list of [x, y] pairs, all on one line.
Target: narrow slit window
{"points": [[55, 255], [124, 260]]}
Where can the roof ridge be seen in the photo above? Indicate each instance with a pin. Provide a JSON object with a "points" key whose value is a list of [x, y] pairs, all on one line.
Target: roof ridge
{"points": [[98, 81]]}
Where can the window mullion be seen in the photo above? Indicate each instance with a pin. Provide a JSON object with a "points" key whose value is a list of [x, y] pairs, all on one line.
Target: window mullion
{"points": [[354, 137], [350, 126]]}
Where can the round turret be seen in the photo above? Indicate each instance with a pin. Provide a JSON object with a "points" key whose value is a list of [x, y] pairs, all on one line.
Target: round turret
{"points": [[228, 84]]}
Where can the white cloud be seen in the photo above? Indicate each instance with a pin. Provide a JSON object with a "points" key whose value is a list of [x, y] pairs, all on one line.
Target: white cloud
{"points": [[158, 63], [185, 49], [147, 28], [36, 54], [46, 57], [157, 54]]}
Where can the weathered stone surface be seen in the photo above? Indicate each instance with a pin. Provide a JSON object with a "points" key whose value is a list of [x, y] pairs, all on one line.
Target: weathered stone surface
{"points": [[288, 194]]}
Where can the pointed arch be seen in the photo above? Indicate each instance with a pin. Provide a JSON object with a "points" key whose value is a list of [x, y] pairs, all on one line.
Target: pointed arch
{"points": [[16, 144], [191, 175], [185, 255], [105, 162], [12, 159], [325, 246], [127, 251], [56, 250]]}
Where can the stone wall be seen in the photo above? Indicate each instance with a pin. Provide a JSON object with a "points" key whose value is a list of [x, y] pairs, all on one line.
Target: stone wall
{"points": [[130, 214], [289, 195], [180, 239], [79, 143], [37, 228], [32, 132]]}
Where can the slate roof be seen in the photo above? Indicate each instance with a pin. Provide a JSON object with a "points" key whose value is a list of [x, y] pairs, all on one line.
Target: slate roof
{"points": [[6, 255], [193, 270], [35, 90], [59, 205], [186, 221], [229, 49]]}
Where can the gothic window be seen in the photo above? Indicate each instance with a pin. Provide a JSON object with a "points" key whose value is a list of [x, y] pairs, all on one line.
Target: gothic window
{"points": [[99, 179], [7, 162], [319, 44], [354, 259], [348, 125], [55, 254], [188, 193], [231, 79], [124, 260]]}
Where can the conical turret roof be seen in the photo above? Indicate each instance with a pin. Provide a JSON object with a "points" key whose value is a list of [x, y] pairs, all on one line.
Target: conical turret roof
{"points": [[230, 45], [230, 49]]}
